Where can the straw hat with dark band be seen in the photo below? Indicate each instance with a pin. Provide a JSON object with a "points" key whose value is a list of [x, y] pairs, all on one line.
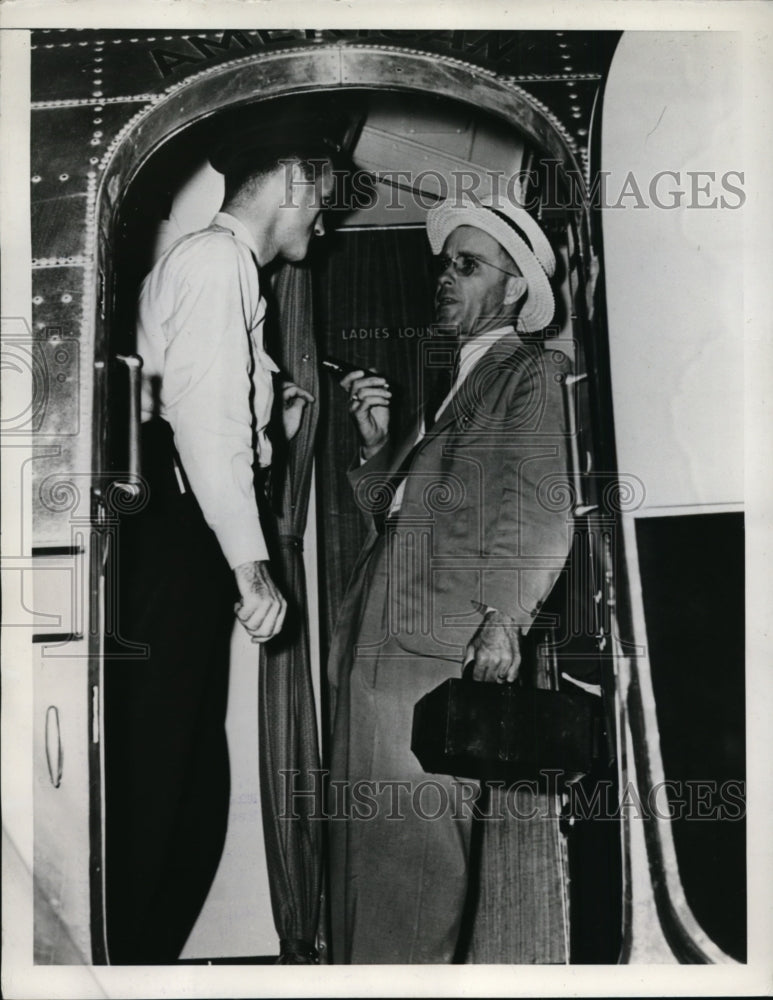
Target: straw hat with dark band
{"points": [[518, 234]]}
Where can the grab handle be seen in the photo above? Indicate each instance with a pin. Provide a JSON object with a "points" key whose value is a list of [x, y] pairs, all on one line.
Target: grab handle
{"points": [[133, 364]]}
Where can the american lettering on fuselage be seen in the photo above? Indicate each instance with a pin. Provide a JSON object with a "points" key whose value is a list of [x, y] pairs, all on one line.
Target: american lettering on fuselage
{"points": [[498, 48]]}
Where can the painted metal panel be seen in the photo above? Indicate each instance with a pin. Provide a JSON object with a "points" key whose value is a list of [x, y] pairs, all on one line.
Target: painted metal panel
{"points": [[673, 308], [61, 734], [62, 469]]}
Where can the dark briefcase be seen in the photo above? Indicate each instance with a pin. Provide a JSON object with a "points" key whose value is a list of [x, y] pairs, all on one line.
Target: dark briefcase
{"points": [[473, 729]]}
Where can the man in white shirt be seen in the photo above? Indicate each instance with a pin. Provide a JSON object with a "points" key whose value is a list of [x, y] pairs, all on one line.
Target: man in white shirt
{"points": [[197, 552], [454, 574]]}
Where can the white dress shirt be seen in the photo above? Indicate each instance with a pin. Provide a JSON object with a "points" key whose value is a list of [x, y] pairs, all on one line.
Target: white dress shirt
{"points": [[206, 372], [470, 354]]}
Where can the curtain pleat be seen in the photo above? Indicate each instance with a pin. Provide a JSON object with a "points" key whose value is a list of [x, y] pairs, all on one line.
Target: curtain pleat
{"points": [[289, 752]]}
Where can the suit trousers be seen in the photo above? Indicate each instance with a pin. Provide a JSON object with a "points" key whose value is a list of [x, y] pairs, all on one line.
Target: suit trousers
{"points": [[400, 837], [167, 775]]}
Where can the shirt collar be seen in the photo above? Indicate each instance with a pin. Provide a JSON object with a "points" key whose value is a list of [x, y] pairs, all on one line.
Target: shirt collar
{"points": [[472, 349], [240, 231]]}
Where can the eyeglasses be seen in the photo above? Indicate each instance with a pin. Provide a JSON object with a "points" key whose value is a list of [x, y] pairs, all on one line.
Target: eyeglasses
{"points": [[465, 264]]}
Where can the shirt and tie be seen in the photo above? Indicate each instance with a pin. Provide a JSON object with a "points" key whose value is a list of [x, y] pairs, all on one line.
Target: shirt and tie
{"points": [[470, 353], [206, 372]]}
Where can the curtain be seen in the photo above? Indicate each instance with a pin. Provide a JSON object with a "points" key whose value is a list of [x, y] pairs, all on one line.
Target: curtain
{"points": [[287, 721], [373, 301]]}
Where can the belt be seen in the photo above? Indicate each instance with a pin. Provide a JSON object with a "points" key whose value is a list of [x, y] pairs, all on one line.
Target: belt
{"points": [[163, 469]]}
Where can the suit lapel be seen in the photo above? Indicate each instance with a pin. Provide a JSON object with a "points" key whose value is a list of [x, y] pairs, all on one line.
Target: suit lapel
{"points": [[407, 445], [510, 350]]}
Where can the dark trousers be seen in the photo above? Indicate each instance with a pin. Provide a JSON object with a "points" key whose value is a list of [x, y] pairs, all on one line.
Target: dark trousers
{"points": [[166, 756]]}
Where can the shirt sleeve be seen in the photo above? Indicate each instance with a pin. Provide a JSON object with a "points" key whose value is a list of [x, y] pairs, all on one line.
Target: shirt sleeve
{"points": [[205, 395]]}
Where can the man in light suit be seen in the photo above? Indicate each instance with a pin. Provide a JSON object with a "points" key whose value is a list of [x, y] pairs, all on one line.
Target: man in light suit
{"points": [[463, 549]]}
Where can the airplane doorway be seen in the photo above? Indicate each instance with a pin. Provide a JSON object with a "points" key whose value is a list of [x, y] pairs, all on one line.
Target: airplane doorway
{"points": [[374, 251]]}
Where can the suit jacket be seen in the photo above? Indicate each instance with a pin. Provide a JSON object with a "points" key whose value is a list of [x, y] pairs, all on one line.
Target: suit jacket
{"points": [[484, 515]]}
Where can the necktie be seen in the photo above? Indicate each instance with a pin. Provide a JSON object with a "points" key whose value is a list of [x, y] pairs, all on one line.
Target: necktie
{"points": [[444, 380]]}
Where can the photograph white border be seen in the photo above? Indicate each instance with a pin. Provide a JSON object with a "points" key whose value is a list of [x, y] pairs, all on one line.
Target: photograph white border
{"points": [[754, 21]]}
